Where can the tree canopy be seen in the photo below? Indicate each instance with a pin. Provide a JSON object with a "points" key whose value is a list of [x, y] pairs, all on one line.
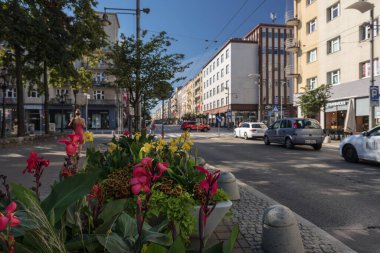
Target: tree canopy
{"points": [[312, 101]]}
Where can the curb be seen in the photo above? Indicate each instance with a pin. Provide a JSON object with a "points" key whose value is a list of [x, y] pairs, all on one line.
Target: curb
{"points": [[14, 141]]}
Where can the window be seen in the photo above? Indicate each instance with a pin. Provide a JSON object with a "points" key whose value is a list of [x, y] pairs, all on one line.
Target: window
{"points": [[222, 102], [365, 30], [365, 68], [217, 89], [333, 45], [221, 72], [11, 93], [312, 55], [333, 77], [222, 87], [308, 2], [333, 11], [207, 106], [312, 83], [33, 94], [312, 26], [99, 94], [213, 104], [217, 103], [222, 58], [100, 77], [217, 76], [213, 91], [217, 62], [227, 53], [227, 82], [227, 69]]}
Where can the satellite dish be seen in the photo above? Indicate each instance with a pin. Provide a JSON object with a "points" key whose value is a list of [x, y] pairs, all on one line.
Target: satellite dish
{"points": [[273, 17]]}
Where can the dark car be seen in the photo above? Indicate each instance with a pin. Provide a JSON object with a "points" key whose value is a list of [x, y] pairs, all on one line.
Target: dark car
{"points": [[193, 125], [295, 131]]}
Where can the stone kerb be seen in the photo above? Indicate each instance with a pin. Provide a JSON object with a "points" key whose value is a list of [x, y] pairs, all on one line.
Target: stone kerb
{"points": [[12, 141]]}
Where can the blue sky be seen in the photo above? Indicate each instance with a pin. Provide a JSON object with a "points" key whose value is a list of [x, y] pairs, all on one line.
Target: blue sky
{"points": [[200, 27]]}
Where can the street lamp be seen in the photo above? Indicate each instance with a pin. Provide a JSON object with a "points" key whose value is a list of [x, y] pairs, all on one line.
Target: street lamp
{"points": [[364, 7], [62, 98], [136, 12], [88, 96], [5, 75], [259, 103]]}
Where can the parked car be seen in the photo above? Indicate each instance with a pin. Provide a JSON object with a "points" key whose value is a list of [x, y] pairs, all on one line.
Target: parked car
{"points": [[193, 125], [364, 146], [295, 131], [249, 130]]}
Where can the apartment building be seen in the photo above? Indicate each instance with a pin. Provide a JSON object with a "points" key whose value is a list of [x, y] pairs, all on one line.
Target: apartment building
{"points": [[276, 90], [331, 45]]}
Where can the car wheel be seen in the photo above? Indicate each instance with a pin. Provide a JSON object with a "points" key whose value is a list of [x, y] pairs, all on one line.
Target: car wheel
{"points": [[266, 140], [245, 136], [350, 154], [188, 129], [235, 134], [317, 146], [288, 143]]}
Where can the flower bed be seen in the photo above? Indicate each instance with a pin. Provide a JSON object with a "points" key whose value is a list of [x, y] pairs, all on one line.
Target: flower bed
{"points": [[137, 196]]}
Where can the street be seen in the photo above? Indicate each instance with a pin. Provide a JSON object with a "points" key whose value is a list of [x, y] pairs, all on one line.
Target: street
{"points": [[339, 197]]}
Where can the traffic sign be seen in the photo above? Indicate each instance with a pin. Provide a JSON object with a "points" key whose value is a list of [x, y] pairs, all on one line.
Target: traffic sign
{"points": [[374, 95], [275, 109], [218, 119]]}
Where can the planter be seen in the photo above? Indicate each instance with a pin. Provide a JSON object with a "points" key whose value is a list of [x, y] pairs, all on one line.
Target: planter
{"points": [[213, 220]]}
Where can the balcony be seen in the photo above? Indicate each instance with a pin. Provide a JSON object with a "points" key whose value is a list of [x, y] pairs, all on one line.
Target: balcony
{"points": [[291, 45], [290, 71], [291, 19]]}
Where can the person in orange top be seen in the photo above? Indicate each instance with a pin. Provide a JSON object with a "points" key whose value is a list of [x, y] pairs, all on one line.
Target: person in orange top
{"points": [[78, 124]]}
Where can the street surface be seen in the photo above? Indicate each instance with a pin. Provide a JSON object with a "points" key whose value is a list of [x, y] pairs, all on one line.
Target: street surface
{"points": [[339, 197]]}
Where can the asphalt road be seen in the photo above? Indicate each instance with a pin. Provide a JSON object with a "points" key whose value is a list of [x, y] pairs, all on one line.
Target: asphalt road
{"points": [[341, 198]]}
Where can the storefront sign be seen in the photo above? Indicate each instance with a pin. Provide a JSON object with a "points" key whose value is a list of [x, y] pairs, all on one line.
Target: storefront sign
{"points": [[268, 107], [337, 103]]}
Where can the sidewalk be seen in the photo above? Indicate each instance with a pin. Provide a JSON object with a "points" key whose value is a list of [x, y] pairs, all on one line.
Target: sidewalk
{"points": [[248, 213]]}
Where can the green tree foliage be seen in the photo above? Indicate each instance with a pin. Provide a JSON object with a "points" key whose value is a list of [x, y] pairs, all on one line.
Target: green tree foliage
{"points": [[312, 101], [45, 35], [138, 68]]}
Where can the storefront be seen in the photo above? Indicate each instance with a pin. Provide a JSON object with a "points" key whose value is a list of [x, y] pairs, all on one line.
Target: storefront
{"points": [[335, 113], [102, 119]]}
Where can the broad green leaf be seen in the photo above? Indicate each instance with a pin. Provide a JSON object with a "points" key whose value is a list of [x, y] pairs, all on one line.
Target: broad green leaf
{"points": [[112, 208], [67, 192], [126, 226], [177, 246], [114, 243], [228, 245], [216, 248], [20, 248], [159, 238], [23, 194], [155, 248], [79, 243]]}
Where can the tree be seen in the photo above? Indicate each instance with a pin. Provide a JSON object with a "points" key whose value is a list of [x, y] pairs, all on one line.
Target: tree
{"points": [[312, 101], [153, 66]]}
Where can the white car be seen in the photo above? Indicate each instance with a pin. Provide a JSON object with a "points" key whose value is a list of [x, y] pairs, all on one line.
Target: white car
{"points": [[365, 146], [250, 130]]}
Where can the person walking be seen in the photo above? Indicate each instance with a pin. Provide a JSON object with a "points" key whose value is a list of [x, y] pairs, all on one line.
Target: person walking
{"points": [[78, 124]]}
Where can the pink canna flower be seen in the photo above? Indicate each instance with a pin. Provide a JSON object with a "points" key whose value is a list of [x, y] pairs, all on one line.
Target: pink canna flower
{"points": [[10, 218], [3, 222], [96, 192], [209, 184], [71, 144], [126, 133], [35, 163]]}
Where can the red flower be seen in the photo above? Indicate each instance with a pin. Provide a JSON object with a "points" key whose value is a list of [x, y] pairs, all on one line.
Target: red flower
{"points": [[9, 218], [162, 167], [141, 180], [209, 184], [126, 133], [96, 192], [35, 163], [66, 173], [71, 144]]}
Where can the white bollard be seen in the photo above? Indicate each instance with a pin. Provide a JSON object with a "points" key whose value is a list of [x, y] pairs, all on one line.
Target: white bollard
{"points": [[280, 231], [227, 182]]}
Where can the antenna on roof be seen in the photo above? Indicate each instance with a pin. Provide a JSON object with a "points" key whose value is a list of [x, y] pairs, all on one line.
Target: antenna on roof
{"points": [[273, 17]]}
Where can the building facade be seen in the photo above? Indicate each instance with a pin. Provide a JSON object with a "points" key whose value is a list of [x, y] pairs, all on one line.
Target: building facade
{"points": [[332, 46]]}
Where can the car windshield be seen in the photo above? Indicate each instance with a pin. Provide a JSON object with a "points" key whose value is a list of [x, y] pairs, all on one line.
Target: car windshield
{"points": [[307, 123]]}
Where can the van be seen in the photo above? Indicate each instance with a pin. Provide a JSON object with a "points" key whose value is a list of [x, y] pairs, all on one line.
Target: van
{"points": [[295, 131]]}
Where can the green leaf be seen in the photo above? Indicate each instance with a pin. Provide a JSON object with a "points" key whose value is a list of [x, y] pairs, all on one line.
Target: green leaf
{"points": [[216, 248], [112, 208], [155, 248], [126, 226], [114, 243], [67, 192], [177, 246], [20, 248], [159, 238], [23, 194], [79, 243], [228, 245]]}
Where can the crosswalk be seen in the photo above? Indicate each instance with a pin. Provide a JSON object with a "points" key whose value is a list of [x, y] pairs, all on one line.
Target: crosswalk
{"points": [[197, 135]]}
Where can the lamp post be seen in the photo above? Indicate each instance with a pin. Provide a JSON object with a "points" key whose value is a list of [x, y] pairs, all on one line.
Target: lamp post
{"points": [[229, 113], [5, 76], [259, 102], [87, 98], [364, 7], [62, 98], [136, 12]]}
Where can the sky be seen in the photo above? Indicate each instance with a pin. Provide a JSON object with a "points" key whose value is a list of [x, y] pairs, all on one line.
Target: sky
{"points": [[200, 27]]}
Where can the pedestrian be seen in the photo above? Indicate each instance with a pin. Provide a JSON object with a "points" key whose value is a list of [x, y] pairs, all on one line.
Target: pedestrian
{"points": [[78, 124]]}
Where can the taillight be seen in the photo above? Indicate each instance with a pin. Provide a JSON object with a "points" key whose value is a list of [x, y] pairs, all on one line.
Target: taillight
{"points": [[252, 130], [294, 125]]}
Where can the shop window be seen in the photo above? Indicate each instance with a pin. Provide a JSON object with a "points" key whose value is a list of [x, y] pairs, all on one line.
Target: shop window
{"points": [[98, 94]]}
